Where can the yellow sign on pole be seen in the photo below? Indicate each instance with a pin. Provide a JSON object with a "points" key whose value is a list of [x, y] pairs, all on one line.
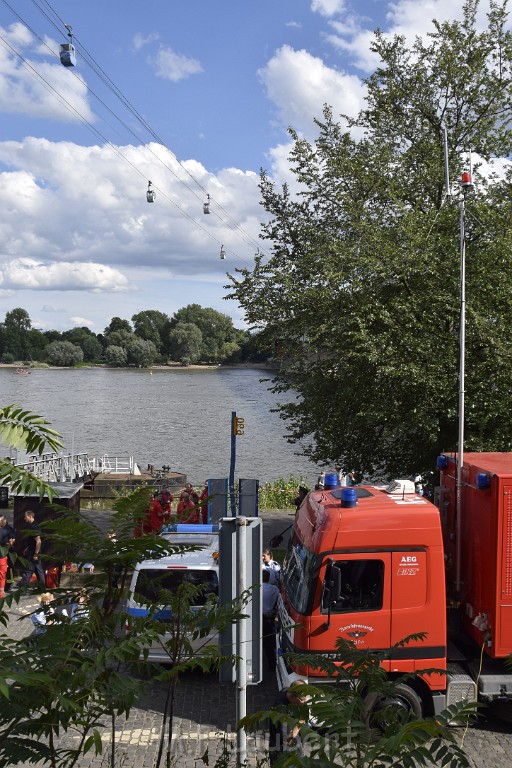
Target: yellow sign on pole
{"points": [[238, 426]]}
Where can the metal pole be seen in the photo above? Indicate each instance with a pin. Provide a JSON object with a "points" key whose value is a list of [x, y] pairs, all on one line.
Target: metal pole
{"points": [[232, 465], [241, 644], [447, 190], [462, 354]]}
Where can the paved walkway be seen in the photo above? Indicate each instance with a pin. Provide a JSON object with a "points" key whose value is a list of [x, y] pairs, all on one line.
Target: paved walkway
{"points": [[205, 714]]}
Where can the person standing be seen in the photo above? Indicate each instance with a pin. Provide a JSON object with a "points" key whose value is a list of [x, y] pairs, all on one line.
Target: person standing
{"points": [[203, 503], [167, 499], [32, 551], [7, 537], [270, 565], [269, 597], [342, 478], [321, 480], [155, 514], [187, 511]]}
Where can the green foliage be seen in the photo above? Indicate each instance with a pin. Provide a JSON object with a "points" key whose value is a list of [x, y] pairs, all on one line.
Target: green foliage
{"points": [[185, 342], [78, 675], [141, 353], [359, 724], [151, 325], [360, 296], [216, 330], [25, 430], [115, 355], [280, 493], [86, 340], [63, 353]]}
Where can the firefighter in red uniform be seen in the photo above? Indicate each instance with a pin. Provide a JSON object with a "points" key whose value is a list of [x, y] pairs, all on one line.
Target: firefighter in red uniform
{"points": [[187, 511], [203, 503], [155, 515], [167, 499]]}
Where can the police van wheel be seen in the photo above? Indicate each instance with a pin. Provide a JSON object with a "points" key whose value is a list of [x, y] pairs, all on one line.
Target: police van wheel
{"points": [[402, 705]]}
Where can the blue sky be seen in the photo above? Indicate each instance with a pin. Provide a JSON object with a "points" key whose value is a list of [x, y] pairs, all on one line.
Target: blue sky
{"points": [[217, 83]]}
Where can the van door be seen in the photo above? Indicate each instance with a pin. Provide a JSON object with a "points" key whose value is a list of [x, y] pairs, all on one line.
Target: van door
{"points": [[353, 601]]}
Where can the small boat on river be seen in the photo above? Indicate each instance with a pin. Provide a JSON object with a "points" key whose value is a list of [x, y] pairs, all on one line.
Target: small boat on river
{"points": [[23, 371]]}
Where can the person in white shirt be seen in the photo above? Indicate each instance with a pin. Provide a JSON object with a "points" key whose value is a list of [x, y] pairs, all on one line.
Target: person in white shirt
{"points": [[270, 565]]}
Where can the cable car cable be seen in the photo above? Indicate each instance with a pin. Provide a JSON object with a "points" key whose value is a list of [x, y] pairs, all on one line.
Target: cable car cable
{"points": [[242, 233], [248, 239]]}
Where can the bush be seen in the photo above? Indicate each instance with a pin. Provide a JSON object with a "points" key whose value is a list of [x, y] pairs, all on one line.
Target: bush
{"points": [[280, 493], [63, 353]]}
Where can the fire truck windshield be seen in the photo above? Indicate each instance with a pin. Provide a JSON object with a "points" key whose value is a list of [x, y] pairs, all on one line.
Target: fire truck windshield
{"points": [[298, 574]]}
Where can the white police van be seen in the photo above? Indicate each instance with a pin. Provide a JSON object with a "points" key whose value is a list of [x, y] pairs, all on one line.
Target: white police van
{"points": [[199, 567]]}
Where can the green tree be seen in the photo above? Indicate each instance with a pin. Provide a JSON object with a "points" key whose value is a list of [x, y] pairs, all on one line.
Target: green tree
{"points": [[360, 295], [216, 329], [141, 353], [118, 324], [185, 342], [15, 333], [115, 355], [36, 344], [63, 353], [86, 340], [151, 325], [119, 338]]}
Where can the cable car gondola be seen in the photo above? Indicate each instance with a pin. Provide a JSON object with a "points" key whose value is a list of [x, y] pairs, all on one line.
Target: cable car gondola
{"points": [[67, 51], [150, 194], [206, 206], [222, 252]]}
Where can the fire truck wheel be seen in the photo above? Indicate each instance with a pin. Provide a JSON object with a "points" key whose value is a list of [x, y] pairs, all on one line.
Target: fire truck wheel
{"points": [[403, 705]]}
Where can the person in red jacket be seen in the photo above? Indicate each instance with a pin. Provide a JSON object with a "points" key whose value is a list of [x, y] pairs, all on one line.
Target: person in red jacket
{"points": [[155, 514], [167, 499], [203, 502], [187, 511]]}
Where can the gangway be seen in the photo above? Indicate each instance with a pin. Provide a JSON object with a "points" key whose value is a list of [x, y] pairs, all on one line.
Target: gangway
{"points": [[58, 468]]}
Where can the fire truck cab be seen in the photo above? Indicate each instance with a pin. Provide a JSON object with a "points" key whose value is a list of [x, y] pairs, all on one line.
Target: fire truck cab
{"points": [[367, 564]]}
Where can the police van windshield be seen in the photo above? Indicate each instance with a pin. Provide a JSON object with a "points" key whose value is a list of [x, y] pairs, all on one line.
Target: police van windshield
{"points": [[151, 582]]}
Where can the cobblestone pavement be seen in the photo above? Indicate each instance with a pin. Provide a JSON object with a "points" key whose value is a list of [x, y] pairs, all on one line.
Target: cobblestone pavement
{"points": [[204, 717]]}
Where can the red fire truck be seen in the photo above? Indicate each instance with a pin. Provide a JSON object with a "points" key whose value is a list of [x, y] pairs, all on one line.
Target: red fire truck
{"points": [[375, 564]]}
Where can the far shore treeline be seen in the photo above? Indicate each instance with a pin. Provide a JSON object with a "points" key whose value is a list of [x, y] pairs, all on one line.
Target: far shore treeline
{"points": [[194, 334]]}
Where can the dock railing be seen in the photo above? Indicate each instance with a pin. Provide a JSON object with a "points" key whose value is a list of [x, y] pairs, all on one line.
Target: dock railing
{"points": [[114, 465]]}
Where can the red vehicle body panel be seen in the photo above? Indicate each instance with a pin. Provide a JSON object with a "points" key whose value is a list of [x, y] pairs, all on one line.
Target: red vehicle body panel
{"points": [[485, 525]]}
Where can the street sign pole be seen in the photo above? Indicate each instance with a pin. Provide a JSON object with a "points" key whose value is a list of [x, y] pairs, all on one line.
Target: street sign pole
{"points": [[232, 465], [241, 642]]}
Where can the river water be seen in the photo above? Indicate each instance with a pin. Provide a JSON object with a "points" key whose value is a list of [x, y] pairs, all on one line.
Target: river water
{"points": [[179, 417]]}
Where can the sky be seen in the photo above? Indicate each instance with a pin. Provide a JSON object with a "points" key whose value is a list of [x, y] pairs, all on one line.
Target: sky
{"points": [[195, 97]]}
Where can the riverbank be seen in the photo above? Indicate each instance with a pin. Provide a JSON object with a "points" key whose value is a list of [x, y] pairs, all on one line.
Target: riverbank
{"points": [[170, 367]]}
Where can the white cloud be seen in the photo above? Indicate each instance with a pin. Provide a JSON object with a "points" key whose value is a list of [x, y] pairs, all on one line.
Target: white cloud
{"points": [[75, 218], [352, 35], [29, 273], [299, 85], [170, 65], [139, 41], [327, 7], [80, 322], [39, 88]]}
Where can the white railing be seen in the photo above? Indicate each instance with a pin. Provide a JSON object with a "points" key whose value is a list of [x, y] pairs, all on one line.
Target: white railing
{"points": [[53, 468], [114, 465]]}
